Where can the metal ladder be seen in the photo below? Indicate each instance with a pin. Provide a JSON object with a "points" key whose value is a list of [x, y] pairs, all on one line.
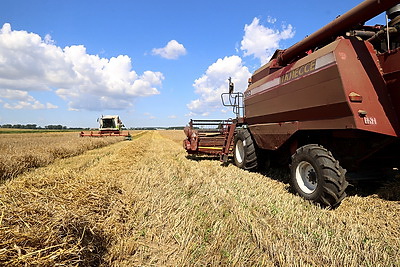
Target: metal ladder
{"points": [[229, 132]]}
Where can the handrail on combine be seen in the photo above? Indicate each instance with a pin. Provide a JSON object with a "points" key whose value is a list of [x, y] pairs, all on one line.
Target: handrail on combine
{"points": [[234, 100]]}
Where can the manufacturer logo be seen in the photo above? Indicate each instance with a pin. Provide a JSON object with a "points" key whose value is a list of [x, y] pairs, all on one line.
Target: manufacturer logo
{"points": [[298, 72]]}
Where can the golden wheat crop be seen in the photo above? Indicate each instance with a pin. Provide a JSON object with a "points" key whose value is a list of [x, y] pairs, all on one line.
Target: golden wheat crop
{"points": [[145, 203], [23, 151]]}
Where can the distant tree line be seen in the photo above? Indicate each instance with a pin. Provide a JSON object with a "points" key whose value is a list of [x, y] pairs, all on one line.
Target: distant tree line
{"points": [[34, 126], [55, 127], [21, 126]]}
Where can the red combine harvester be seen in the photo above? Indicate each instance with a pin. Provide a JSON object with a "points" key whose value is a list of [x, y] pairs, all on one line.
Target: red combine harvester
{"points": [[327, 104], [110, 125]]}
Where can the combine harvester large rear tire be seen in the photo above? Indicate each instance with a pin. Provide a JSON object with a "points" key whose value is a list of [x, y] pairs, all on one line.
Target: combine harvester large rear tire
{"points": [[317, 176]]}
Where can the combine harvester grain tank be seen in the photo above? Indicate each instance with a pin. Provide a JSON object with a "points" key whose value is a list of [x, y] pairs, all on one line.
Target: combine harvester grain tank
{"points": [[328, 104]]}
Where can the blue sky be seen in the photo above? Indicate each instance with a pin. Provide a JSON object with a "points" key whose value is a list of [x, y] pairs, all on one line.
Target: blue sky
{"points": [[154, 63]]}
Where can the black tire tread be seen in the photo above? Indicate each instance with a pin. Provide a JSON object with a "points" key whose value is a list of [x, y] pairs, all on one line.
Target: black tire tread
{"points": [[250, 157], [334, 182]]}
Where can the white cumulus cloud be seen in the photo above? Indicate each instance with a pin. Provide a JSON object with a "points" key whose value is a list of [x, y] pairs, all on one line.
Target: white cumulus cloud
{"points": [[29, 105], [214, 82], [15, 95], [258, 41], [261, 42], [173, 50], [85, 81]]}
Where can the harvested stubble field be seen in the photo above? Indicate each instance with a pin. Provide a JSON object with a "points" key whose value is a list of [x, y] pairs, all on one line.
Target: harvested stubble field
{"points": [[145, 203]]}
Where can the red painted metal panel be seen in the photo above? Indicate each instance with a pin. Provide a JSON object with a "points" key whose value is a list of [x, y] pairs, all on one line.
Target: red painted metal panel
{"points": [[390, 63], [319, 98], [359, 72]]}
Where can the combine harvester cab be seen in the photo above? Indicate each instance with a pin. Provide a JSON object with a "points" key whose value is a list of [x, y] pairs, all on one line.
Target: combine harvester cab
{"points": [[328, 106], [110, 125]]}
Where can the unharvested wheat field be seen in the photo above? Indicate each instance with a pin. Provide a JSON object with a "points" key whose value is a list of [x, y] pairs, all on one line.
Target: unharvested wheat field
{"points": [[145, 203], [23, 151]]}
